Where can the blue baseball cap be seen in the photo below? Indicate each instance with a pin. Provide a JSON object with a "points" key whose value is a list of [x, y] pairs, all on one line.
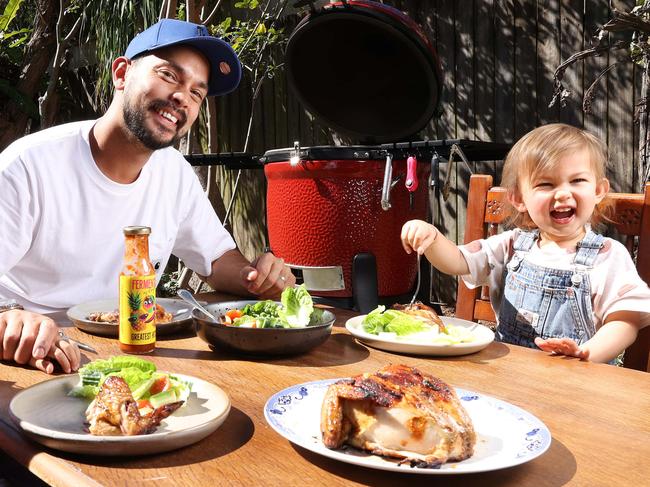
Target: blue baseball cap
{"points": [[225, 69]]}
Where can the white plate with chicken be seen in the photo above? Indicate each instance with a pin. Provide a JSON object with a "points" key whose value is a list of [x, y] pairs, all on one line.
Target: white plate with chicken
{"points": [[100, 317], [48, 415], [460, 337], [495, 434]]}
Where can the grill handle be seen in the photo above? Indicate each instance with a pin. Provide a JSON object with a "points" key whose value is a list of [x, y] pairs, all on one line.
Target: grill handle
{"points": [[388, 179]]}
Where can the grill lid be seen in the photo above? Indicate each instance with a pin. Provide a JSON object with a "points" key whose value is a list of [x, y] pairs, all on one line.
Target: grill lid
{"points": [[365, 69]]}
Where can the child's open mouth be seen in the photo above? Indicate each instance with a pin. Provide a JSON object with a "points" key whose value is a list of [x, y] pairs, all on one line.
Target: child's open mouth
{"points": [[562, 216]]}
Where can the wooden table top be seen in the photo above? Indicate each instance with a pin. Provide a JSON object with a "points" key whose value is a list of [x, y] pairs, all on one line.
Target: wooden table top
{"points": [[598, 415]]}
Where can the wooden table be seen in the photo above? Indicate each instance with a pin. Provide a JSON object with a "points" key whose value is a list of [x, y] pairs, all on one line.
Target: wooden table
{"points": [[599, 417]]}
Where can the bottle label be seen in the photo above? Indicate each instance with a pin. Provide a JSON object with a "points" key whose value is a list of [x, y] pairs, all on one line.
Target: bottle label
{"points": [[137, 309]]}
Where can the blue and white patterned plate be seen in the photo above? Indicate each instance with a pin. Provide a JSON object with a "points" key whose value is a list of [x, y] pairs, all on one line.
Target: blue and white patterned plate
{"points": [[506, 434]]}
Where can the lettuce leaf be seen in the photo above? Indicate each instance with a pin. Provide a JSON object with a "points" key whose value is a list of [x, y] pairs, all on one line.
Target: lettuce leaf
{"points": [[297, 306], [381, 320], [114, 364], [133, 370], [406, 325]]}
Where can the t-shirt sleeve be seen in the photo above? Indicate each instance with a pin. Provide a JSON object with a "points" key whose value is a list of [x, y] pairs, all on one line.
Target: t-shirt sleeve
{"points": [[617, 285], [201, 237], [485, 259], [17, 211]]}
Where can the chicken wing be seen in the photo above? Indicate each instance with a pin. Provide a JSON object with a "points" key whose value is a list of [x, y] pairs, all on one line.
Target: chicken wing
{"points": [[115, 412]]}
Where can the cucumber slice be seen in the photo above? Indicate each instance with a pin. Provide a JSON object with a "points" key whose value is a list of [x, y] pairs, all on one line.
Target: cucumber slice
{"points": [[162, 398]]}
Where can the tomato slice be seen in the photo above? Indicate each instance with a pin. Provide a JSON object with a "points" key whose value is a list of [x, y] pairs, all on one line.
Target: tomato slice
{"points": [[160, 385], [234, 313], [144, 403]]}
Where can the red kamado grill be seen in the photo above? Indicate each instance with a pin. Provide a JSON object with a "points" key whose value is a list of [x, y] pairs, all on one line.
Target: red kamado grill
{"points": [[335, 213]]}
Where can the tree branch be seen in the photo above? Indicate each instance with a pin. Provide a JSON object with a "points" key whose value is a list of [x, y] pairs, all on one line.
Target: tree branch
{"points": [[590, 93], [559, 92]]}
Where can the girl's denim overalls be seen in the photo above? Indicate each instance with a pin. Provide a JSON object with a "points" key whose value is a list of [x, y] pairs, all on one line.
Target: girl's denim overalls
{"points": [[544, 302]]}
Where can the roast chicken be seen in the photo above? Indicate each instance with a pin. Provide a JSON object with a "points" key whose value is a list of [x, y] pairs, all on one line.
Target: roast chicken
{"points": [[114, 411], [398, 412], [423, 311]]}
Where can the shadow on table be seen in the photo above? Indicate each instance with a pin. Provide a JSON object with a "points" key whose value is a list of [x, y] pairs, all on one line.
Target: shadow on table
{"points": [[340, 349], [556, 467], [494, 351], [234, 433]]}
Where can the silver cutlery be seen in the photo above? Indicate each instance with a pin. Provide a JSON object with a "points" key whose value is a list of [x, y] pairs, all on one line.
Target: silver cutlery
{"points": [[417, 286], [188, 298], [81, 345]]}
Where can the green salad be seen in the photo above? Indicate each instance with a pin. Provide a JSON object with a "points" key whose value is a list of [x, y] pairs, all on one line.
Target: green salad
{"points": [[295, 311], [397, 325], [150, 387]]}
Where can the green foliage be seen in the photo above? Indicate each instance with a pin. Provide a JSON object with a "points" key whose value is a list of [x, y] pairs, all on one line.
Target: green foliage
{"points": [[12, 42], [254, 39], [9, 14], [250, 4]]}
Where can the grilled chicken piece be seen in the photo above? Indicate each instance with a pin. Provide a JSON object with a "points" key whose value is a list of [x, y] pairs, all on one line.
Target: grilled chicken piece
{"points": [[115, 412], [161, 315], [398, 412], [104, 316], [422, 310]]}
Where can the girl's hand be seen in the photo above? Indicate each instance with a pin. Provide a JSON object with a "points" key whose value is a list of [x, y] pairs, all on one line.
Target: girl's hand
{"points": [[418, 236], [562, 346]]}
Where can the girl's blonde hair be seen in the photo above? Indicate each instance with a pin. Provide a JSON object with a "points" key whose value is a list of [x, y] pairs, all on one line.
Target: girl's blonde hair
{"points": [[541, 150]]}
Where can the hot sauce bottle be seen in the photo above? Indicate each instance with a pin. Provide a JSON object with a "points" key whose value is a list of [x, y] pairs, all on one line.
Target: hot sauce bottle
{"points": [[137, 294]]}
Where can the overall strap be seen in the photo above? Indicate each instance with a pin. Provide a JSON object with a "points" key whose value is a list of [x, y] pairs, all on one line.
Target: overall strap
{"points": [[588, 249], [526, 240]]}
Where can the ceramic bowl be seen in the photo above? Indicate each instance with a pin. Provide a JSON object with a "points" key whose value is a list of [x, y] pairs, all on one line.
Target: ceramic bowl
{"points": [[258, 341]]}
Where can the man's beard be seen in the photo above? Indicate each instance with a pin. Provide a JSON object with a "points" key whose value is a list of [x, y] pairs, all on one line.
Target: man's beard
{"points": [[135, 122]]}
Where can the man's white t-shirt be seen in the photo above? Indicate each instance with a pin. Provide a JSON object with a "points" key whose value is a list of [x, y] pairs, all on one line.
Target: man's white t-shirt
{"points": [[615, 282], [61, 219]]}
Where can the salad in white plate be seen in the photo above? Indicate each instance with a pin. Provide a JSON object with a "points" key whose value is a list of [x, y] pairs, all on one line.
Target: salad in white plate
{"points": [[150, 387], [405, 325]]}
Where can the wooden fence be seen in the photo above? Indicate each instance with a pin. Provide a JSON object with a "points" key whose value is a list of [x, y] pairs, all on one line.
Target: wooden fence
{"points": [[498, 59]]}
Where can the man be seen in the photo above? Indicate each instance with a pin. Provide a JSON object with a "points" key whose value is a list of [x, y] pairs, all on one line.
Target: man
{"points": [[67, 192]]}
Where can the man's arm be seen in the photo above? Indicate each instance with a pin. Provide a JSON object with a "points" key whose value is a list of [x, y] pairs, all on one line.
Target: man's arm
{"points": [[266, 277]]}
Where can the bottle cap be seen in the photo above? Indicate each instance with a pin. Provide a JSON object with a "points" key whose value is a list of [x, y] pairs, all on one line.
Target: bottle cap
{"points": [[137, 230]]}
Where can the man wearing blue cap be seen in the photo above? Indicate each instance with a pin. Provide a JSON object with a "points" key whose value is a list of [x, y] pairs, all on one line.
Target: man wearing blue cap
{"points": [[67, 193]]}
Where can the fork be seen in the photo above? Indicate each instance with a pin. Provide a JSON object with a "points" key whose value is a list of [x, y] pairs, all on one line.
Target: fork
{"points": [[417, 286], [81, 345]]}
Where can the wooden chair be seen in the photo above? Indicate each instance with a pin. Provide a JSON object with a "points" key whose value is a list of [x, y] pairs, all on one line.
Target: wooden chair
{"points": [[486, 210]]}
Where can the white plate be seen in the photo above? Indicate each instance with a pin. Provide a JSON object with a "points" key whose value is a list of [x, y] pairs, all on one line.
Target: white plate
{"points": [[506, 434], [180, 310], [483, 337], [46, 414]]}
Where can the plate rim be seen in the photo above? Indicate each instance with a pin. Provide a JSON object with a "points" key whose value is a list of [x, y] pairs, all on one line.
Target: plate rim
{"points": [[421, 348], [43, 432], [338, 455], [112, 329]]}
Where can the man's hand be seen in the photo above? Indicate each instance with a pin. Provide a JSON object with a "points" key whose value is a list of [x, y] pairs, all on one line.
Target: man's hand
{"points": [[267, 276], [31, 338], [562, 346]]}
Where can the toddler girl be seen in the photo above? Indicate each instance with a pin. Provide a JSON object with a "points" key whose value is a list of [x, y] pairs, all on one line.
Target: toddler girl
{"points": [[554, 283]]}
